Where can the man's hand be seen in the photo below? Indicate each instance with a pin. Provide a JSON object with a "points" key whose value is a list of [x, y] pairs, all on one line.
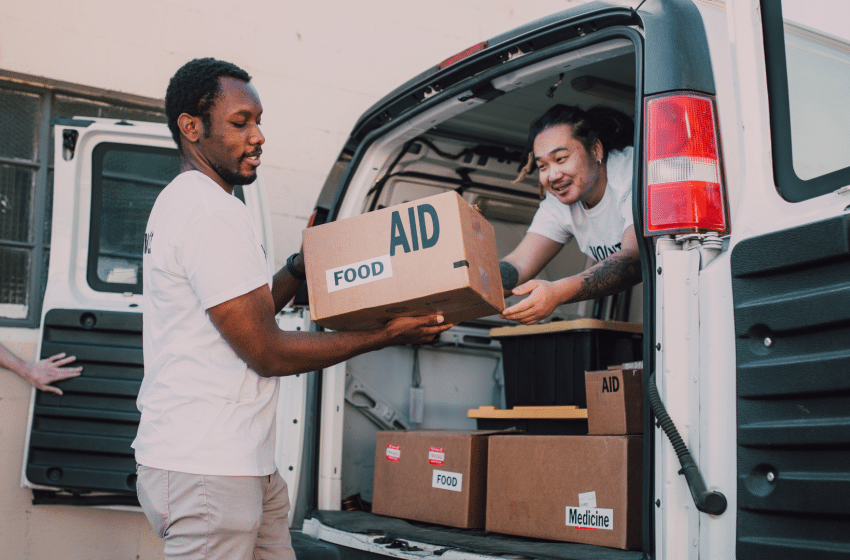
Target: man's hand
{"points": [[542, 300], [415, 330], [50, 370]]}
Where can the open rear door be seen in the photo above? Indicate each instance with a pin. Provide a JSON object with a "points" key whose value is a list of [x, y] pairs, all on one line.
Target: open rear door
{"points": [[791, 279], [107, 177]]}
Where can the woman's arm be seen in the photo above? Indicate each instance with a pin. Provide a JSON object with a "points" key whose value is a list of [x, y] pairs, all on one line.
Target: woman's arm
{"points": [[42, 373]]}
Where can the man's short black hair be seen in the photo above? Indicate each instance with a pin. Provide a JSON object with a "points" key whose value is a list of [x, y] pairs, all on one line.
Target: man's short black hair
{"points": [[193, 90]]}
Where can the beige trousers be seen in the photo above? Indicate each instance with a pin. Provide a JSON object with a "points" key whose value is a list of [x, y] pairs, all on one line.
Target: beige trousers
{"points": [[203, 517]]}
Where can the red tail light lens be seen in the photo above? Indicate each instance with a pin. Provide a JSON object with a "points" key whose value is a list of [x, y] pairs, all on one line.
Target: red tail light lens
{"points": [[461, 55], [312, 219], [683, 174]]}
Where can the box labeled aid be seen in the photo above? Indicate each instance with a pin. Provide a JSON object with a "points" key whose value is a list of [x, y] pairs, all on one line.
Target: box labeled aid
{"points": [[432, 255], [615, 401]]}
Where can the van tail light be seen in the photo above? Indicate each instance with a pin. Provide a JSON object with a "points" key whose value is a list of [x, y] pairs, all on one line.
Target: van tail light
{"points": [[474, 49], [684, 187], [318, 217]]}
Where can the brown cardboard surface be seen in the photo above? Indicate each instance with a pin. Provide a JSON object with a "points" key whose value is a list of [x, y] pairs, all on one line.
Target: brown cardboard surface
{"points": [[432, 255], [408, 467], [614, 401], [533, 481], [548, 412]]}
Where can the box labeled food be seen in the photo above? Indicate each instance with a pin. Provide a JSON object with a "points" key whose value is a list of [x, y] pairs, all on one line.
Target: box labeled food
{"points": [[584, 489], [614, 401], [432, 255], [435, 476]]}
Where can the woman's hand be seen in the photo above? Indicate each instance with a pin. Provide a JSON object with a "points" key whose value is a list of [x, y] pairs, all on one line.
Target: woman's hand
{"points": [[49, 370], [543, 298]]}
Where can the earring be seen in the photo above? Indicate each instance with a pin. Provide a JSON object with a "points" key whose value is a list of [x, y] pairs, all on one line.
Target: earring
{"points": [[599, 161]]}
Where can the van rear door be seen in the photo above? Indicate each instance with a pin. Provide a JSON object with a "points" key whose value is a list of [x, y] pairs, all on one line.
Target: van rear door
{"points": [[790, 268], [107, 176]]}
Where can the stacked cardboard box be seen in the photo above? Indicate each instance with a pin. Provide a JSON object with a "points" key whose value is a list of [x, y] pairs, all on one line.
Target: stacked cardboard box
{"points": [[615, 401], [433, 476], [583, 489]]}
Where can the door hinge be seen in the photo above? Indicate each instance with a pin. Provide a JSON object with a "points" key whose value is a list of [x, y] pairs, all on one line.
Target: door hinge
{"points": [[69, 143]]}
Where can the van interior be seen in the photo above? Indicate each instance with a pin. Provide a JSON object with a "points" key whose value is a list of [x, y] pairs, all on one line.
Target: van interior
{"points": [[476, 148], [472, 144]]}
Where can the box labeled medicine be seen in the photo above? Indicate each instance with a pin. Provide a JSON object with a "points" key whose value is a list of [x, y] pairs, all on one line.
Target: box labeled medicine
{"points": [[584, 489], [435, 255]]}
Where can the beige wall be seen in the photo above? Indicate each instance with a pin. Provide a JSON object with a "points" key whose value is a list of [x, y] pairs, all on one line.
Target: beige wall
{"points": [[317, 65]]}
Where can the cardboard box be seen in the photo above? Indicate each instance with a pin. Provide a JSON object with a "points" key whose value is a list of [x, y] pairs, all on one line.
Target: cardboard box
{"points": [[614, 401], [584, 489], [433, 476], [432, 255]]}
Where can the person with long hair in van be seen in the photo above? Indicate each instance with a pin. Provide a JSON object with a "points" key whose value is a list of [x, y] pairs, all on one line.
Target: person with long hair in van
{"points": [[585, 163]]}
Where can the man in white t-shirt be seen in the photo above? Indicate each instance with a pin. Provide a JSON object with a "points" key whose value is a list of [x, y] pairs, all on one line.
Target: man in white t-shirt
{"points": [[585, 163], [207, 479]]}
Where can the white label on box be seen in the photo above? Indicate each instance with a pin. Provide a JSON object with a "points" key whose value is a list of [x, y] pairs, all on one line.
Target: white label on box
{"points": [[436, 455], [393, 452], [447, 480], [356, 274], [590, 518], [587, 500]]}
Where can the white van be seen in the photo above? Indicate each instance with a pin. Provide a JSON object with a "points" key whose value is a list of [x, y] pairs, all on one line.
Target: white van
{"points": [[744, 304]]}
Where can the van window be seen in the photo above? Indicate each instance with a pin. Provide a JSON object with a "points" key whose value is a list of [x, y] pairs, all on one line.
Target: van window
{"points": [[126, 180], [807, 47], [27, 116]]}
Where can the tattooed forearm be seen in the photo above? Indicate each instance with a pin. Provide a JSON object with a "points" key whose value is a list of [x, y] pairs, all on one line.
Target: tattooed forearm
{"points": [[611, 276]]}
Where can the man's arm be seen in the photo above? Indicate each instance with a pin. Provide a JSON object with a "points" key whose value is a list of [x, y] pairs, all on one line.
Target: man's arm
{"points": [[527, 260], [42, 373], [247, 324], [618, 272]]}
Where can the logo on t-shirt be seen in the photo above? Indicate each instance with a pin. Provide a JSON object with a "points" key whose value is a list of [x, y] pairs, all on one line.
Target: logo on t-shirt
{"points": [[148, 241], [600, 252]]}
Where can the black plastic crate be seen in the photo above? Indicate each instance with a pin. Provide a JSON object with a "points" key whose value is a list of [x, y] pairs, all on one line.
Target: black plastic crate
{"points": [[544, 365]]}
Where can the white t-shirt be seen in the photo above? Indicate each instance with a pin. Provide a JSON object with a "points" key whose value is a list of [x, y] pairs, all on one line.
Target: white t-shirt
{"points": [[598, 230], [204, 411]]}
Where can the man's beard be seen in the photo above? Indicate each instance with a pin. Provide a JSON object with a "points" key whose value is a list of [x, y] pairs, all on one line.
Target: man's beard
{"points": [[234, 178]]}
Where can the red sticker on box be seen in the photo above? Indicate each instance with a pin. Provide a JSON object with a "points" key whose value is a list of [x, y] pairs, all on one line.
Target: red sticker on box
{"points": [[393, 452], [436, 456]]}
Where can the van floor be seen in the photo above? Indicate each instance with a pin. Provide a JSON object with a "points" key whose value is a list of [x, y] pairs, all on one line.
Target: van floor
{"points": [[480, 542]]}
